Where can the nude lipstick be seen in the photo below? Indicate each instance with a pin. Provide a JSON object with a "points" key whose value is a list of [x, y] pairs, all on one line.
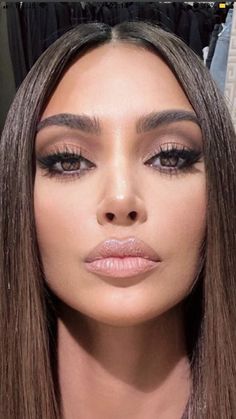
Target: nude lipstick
{"points": [[122, 258]]}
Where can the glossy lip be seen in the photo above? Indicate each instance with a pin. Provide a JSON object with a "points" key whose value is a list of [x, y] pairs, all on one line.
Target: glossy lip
{"points": [[123, 248], [121, 267]]}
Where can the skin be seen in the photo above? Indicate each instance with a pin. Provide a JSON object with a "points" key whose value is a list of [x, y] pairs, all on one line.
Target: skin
{"points": [[121, 343]]}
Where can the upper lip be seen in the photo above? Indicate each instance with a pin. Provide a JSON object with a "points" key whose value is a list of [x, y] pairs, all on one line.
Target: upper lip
{"points": [[122, 248]]}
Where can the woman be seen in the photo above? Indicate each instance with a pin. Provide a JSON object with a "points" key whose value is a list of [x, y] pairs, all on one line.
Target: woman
{"points": [[118, 146]]}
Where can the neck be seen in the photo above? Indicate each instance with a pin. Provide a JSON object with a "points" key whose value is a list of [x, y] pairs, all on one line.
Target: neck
{"points": [[108, 371]]}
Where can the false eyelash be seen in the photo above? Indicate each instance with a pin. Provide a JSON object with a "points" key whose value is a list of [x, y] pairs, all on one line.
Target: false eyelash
{"points": [[59, 155], [47, 163], [190, 157]]}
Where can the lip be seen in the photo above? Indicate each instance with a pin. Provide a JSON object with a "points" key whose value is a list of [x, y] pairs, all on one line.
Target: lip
{"points": [[130, 247], [121, 267]]}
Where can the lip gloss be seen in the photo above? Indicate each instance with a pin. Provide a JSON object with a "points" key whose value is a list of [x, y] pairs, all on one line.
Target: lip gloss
{"points": [[121, 267]]}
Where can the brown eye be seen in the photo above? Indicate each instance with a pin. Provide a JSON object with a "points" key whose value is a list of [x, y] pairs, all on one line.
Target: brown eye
{"points": [[70, 164], [174, 159], [65, 164], [169, 162]]}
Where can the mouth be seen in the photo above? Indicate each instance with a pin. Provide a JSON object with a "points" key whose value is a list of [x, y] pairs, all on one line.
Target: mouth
{"points": [[117, 267]]}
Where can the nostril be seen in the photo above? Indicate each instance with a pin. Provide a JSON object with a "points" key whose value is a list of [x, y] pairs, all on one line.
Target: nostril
{"points": [[133, 215]]}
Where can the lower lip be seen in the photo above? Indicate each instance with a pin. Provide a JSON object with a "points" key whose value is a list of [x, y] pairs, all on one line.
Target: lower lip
{"points": [[121, 267]]}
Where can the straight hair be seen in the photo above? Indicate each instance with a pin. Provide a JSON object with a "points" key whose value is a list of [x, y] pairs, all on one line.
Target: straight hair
{"points": [[28, 317]]}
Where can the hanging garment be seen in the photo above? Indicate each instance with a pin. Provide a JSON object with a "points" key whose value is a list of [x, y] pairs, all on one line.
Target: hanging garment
{"points": [[205, 23], [40, 28], [34, 26], [104, 13], [166, 16], [7, 83], [16, 45], [62, 14], [219, 61], [194, 35], [78, 13], [217, 29], [124, 13], [183, 26]]}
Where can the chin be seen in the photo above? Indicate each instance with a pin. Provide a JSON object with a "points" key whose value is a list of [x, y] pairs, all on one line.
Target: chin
{"points": [[123, 317]]}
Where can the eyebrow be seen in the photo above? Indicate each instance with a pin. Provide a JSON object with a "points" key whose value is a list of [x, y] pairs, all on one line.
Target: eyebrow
{"points": [[92, 125]]}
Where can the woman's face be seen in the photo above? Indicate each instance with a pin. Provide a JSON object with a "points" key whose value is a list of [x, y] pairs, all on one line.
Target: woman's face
{"points": [[121, 171]]}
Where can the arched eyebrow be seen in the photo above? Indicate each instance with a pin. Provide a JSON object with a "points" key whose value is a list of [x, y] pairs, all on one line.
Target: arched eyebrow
{"points": [[92, 125]]}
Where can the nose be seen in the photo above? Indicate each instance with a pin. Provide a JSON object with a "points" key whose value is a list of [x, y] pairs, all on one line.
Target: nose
{"points": [[121, 204]]}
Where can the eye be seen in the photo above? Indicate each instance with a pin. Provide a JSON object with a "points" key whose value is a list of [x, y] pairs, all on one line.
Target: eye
{"points": [[69, 163], [65, 163], [171, 161], [174, 158]]}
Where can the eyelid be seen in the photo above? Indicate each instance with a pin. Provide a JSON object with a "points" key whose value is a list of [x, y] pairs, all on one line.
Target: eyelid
{"points": [[63, 147], [61, 136], [67, 147], [177, 132], [168, 146]]}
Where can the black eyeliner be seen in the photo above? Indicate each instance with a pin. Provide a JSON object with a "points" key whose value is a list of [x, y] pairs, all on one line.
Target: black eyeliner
{"points": [[189, 156]]}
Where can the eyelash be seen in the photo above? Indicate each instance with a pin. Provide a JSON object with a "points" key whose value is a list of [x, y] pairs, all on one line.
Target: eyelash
{"points": [[68, 154]]}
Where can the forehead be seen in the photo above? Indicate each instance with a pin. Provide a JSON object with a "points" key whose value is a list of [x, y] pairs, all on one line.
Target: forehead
{"points": [[117, 81]]}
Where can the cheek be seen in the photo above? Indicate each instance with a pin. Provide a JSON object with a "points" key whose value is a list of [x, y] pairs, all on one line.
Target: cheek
{"points": [[183, 226], [180, 214], [180, 231], [60, 217]]}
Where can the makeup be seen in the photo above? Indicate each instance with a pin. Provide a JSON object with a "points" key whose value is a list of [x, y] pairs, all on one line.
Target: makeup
{"points": [[121, 267], [170, 158]]}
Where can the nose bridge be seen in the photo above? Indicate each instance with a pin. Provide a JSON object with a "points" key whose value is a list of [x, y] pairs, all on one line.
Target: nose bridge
{"points": [[120, 199], [120, 173], [119, 168]]}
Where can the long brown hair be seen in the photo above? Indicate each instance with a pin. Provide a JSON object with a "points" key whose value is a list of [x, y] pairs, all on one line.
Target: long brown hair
{"points": [[28, 360]]}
